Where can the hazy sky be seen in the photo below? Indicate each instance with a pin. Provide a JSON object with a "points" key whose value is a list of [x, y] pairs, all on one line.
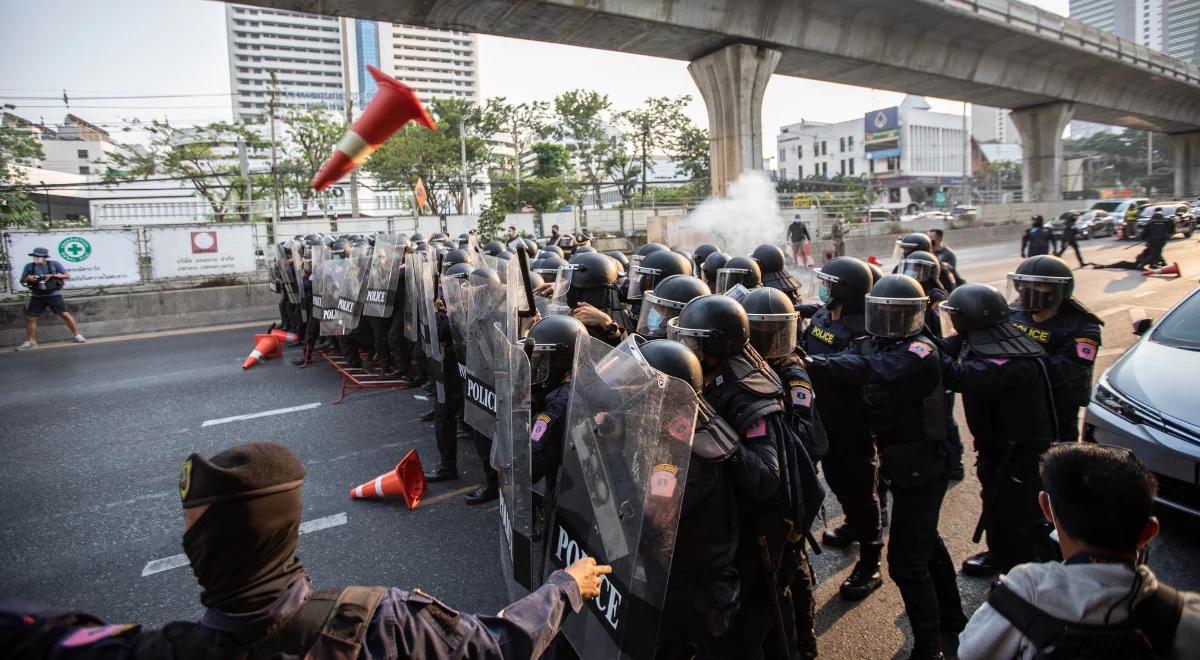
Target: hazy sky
{"points": [[163, 47]]}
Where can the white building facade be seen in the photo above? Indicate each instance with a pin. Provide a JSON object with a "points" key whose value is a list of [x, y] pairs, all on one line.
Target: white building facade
{"points": [[816, 149]]}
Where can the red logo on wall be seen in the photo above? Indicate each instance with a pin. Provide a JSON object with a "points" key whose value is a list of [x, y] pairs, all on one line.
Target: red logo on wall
{"points": [[204, 242]]}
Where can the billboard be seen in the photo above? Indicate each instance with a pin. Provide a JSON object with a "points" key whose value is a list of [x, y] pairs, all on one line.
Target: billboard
{"points": [[201, 250], [881, 137], [93, 258]]}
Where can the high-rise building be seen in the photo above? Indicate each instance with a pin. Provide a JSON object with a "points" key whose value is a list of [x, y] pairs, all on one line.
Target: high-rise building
{"points": [[1181, 29], [304, 54]]}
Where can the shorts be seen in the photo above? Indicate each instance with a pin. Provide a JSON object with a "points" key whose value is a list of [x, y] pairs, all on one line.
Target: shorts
{"points": [[38, 304]]}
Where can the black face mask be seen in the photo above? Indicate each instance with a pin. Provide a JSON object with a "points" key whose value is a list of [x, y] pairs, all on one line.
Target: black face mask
{"points": [[243, 551]]}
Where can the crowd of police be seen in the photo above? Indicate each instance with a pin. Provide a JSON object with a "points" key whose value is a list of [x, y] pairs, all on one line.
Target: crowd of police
{"points": [[580, 374]]}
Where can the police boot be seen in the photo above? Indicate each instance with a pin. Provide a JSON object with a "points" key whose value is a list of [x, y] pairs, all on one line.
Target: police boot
{"points": [[441, 473], [838, 537], [483, 494], [980, 565], [865, 577]]}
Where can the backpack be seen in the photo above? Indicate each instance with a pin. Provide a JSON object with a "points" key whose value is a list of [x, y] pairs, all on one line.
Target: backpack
{"points": [[1148, 633]]}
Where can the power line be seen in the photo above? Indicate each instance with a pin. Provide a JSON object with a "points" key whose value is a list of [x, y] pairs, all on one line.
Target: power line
{"points": [[110, 98]]}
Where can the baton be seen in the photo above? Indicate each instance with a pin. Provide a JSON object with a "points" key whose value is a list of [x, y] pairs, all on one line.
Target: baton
{"points": [[528, 285], [989, 506], [764, 553]]}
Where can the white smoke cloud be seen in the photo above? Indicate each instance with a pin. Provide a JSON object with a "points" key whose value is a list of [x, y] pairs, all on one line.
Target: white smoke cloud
{"points": [[745, 218]]}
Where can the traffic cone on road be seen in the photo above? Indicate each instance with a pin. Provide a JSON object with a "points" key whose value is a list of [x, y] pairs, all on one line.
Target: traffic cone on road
{"points": [[285, 336], [873, 261], [394, 105], [407, 481], [1173, 269], [265, 346]]}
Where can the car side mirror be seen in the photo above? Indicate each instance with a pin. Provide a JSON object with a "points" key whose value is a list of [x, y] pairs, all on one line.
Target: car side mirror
{"points": [[1142, 326]]}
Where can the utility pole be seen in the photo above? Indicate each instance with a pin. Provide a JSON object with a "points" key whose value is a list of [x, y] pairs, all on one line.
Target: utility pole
{"points": [[966, 194], [645, 138], [345, 25], [462, 154], [274, 159], [1149, 154]]}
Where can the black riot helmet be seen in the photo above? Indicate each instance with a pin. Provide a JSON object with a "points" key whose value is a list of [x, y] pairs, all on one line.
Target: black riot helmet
{"points": [[464, 240], [665, 301], [459, 270], [531, 245], [701, 253], [646, 250], [486, 273], [553, 248], [896, 307], [622, 261], [713, 326], [584, 249], [417, 238], [975, 306], [911, 242], [312, 239], [1041, 282], [653, 268], [493, 248], [554, 339], [592, 270], [844, 280], [773, 321], [675, 360], [504, 255], [769, 258], [456, 256], [738, 270], [876, 273], [713, 263], [922, 266], [548, 267]]}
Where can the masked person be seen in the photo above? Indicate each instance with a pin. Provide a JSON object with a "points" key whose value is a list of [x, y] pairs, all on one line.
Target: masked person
{"points": [[650, 271], [554, 339], [900, 376], [909, 243], [702, 591], [1043, 307], [594, 299], [664, 303], [241, 513], [950, 276], [44, 278], [446, 414], [774, 271], [1036, 239], [738, 270], [851, 467], [746, 393], [1005, 384], [713, 264]]}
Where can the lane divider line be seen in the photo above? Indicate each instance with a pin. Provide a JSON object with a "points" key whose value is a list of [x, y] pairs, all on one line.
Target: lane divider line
{"points": [[180, 560], [1112, 310], [265, 413], [1143, 294]]}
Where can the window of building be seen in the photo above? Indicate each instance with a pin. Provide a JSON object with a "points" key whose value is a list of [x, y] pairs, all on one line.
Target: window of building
{"points": [[842, 165], [850, 143], [799, 151], [81, 153], [841, 144], [824, 148], [84, 169], [800, 172], [783, 155], [851, 167]]}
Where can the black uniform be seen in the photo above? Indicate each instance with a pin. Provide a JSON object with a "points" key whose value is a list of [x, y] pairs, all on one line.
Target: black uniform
{"points": [[901, 382], [1035, 241], [1071, 339], [446, 414], [1158, 231], [1008, 407], [546, 432], [852, 465], [1069, 239]]}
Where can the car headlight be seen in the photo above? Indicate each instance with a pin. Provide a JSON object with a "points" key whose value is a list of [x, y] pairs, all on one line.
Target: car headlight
{"points": [[1111, 400]]}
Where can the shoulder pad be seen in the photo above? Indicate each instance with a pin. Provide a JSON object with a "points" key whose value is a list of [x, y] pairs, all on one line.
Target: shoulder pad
{"points": [[753, 376], [714, 440]]}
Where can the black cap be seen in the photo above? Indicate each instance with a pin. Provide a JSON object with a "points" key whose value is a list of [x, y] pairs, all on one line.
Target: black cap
{"points": [[243, 471], [40, 252]]}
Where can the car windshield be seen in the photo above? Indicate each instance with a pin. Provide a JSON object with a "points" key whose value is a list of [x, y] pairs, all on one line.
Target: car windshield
{"points": [[1105, 206], [1181, 328]]}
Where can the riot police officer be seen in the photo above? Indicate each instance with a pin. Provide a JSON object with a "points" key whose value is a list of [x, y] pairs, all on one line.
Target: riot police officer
{"points": [[446, 414], [594, 299], [490, 488], [909, 243], [700, 254], [665, 301], [851, 467], [899, 373], [1043, 307], [645, 275], [713, 263], [554, 339], [774, 271], [645, 251], [1005, 384], [738, 270], [622, 263]]}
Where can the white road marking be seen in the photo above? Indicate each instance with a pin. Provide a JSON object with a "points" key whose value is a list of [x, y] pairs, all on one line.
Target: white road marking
{"points": [[1111, 310], [420, 397], [265, 413], [176, 561]]}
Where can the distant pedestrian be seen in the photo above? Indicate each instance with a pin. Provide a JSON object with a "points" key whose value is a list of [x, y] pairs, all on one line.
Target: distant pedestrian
{"points": [[839, 237], [950, 277], [798, 241], [1037, 239], [554, 234], [44, 278], [1069, 238], [1131, 216]]}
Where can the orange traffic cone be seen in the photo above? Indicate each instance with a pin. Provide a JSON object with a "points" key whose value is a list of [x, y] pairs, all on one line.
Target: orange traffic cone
{"points": [[393, 106], [873, 261], [265, 346], [284, 336], [407, 481], [1173, 269]]}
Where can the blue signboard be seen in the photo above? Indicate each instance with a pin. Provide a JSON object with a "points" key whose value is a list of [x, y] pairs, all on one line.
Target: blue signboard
{"points": [[883, 154], [878, 121]]}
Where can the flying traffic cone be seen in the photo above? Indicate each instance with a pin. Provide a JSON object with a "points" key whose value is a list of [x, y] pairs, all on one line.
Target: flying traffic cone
{"points": [[284, 336], [265, 346], [393, 106], [1173, 269], [407, 481], [873, 261]]}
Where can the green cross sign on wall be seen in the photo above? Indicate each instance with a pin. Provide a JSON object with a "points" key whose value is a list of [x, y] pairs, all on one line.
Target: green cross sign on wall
{"points": [[74, 248]]}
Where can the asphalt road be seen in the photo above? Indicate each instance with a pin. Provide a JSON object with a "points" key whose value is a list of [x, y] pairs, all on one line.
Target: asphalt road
{"points": [[93, 437]]}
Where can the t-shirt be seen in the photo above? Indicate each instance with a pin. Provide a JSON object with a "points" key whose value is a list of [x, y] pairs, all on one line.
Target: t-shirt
{"points": [[50, 267], [797, 231], [1079, 592]]}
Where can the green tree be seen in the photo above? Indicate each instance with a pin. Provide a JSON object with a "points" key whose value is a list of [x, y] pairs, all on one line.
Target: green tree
{"points": [[1120, 159], [580, 124], [310, 137], [203, 156], [655, 128], [689, 150], [551, 160], [520, 125], [434, 156], [17, 148]]}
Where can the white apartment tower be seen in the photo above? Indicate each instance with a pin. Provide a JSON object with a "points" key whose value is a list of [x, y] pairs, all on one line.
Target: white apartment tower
{"points": [[305, 54]]}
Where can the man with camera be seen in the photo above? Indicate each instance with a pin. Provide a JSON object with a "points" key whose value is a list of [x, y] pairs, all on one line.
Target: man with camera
{"points": [[44, 278]]}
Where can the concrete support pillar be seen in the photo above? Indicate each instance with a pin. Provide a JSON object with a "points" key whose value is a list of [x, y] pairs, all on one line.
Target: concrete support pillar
{"points": [[1041, 128], [1187, 164], [732, 81]]}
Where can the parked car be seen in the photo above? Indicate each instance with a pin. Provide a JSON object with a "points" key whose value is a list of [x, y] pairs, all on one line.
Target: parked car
{"points": [[1185, 218], [1118, 208], [1090, 224], [1143, 403], [879, 215]]}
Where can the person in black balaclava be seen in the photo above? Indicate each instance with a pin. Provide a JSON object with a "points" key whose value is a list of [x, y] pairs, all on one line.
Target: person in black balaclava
{"points": [[554, 339], [774, 271], [241, 512], [594, 299], [650, 271]]}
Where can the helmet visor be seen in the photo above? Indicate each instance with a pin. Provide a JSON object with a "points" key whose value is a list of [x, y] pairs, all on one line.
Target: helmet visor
{"points": [[895, 317], [1034, 293], [773, 335], [946, 315], [541, 362], [918, 269], [652, 321], [693, 338], [738, 292], [559, 302], [900, 251], [727, 278], [642, 280]]}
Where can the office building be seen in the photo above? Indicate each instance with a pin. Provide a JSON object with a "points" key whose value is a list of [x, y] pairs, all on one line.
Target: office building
{"points": [[76, 146], [310, 56]]}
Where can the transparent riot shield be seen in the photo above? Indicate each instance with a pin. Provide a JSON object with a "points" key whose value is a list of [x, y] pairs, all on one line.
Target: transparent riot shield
{"points": [[456, 294], [429, 324], [484, 313], [412, 296], [275, 280], [285, 271], [301, 269], [559, 303], [350, 281], [386, 258], [324, 307], [517, 317], [620, 488], [512, 460]]}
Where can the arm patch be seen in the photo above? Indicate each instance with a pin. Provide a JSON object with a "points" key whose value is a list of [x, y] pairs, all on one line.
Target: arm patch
{"points": [[540, 424], [921, 349], [802, 394]]}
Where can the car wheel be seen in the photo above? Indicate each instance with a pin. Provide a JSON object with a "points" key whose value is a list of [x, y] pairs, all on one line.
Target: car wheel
{"points": [[1188, 232]]}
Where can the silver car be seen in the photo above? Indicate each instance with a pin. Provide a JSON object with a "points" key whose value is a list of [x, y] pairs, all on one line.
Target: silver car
{"points": [[1146, 401]]}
